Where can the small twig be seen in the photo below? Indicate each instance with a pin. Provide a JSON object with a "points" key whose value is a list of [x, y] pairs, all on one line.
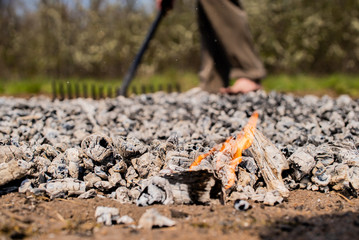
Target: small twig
{"points": [[344, 197], [60, 217]]}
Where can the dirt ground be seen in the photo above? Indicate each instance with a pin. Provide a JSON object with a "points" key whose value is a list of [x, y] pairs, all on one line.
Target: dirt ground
{"points": [[304, 215]]}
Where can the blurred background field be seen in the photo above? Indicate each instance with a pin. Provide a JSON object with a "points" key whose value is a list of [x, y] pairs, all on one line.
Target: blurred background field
{"points": [[307, 46]]}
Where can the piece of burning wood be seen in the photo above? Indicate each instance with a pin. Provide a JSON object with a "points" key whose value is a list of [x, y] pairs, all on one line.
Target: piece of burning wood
{"points": [[186, 187], [271, 162]]}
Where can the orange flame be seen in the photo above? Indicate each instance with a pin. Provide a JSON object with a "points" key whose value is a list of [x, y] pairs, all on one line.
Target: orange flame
{"points": [[229, 153]]}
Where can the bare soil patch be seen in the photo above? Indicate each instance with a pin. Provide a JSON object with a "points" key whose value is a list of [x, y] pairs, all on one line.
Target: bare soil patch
{"points": [[304, 215]]}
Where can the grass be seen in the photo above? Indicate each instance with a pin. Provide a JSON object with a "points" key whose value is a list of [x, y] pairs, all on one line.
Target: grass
{"points": [[334, 84]]}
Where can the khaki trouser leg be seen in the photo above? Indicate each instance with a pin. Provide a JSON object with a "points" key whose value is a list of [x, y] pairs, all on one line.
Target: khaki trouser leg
{"points": [[227, 45]]}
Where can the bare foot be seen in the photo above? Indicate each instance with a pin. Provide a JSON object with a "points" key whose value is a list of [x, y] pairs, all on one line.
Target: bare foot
{"points": [[242, 85]]}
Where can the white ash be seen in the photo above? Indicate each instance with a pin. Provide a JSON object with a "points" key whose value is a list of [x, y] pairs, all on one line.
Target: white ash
{"points": [[125, 220], [107, 215], [111, 146], [25, 186], [89, 194], [152, 218]]}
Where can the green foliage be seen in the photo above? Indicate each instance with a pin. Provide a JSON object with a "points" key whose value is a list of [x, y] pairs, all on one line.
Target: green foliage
{"points": [[67, 40], [29, 86], [306, 36], [334, 84]]}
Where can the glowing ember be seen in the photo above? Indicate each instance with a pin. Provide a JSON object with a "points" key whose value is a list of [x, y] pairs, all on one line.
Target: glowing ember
{"points": [[229, 153]]}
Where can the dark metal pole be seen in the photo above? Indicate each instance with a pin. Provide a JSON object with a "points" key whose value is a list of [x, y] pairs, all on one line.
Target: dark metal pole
{"points": [[53, 85], [131, 73]]}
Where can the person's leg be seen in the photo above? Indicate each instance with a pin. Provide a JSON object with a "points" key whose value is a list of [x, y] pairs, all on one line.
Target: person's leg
{"points": [[229, 25], [214, 72]]}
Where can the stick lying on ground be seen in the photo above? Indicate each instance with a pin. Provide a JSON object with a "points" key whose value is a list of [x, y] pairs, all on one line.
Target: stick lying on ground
{"points": [[271, 163]]}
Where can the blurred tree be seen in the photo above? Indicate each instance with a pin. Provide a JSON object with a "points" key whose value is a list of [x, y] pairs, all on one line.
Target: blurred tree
{"points": [[62, 38]]}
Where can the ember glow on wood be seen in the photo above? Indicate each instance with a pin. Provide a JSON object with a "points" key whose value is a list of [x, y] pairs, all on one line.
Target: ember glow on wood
{"points": [[229, 153]]}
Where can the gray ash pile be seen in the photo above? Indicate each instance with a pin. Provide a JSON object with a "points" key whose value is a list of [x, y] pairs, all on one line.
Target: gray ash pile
{"points": [[139, 149]]}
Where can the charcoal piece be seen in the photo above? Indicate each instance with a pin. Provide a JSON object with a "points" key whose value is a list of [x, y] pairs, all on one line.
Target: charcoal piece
{"points": [[353, 127], [187, 187], [89, 110], [97, 147], [172, 140], [88, 164], [39, 172], [290, 183], [304, 183], [160, 149], [126, 122], [147, 165], [326, 106], [115, 178], [344, 101], [8, 153], [338, 175], [119, 167], [98, 170], [131, 175], [103, 186], [152, 218], [130, 147], [156, 190], [348, 156], [336, 123], [272, 197], [152, 194], [245, 178], [90, 179], [325, 127], [123, 195], [13, 170], [51, 135], [79, 134], [302, 163], [270, 162], [68, 186], [107, 215], [238, 196], [125, 220], [324, 154], [46, 151], [177, 161], [62, 146], [320, 175], [42, 177], [183, 129], [89, 194], [73, 160], [353, 178], [58, 168], [249, 164], [257, 197], [135, 193], [25, 186]]}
